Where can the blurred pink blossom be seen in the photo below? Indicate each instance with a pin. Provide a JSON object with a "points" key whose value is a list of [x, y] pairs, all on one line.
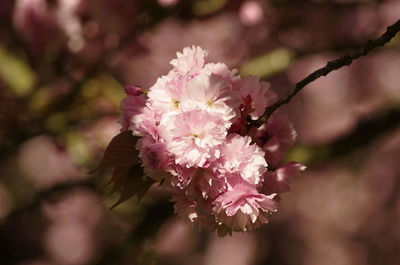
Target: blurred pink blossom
{"points": [[238, 249], [251, 13], [45, 164], [230, 46], [167, 2], [329, 95], [70, 244], [77, 206], [37, 22], [175, 238]]}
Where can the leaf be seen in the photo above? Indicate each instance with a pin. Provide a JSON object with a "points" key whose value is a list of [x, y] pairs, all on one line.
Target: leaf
{"points": [[129, 181], [120, 152], [146, 186], [128, 176]]}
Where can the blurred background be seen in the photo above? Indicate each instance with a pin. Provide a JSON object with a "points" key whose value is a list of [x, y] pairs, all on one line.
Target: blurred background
{"points": [[63, 65]]}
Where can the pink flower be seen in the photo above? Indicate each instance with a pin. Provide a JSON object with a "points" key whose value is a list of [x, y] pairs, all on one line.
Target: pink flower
{"points": [[243, 208], [213, 94], [222, 70], [185, 208], [276, 137], [193, 136], [190, 62], [261, 95], [166, 94], [188, 122], [181, 176], [155, 157], [278, 181], [198, 213], [145, 123], [239, 155], [210, 184]]}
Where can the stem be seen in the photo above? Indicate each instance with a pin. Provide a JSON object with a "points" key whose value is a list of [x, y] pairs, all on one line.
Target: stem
{"points": [[344, 60]]}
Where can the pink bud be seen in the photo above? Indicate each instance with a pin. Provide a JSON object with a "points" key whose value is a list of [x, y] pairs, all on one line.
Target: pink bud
{"points": [[133, 90]]}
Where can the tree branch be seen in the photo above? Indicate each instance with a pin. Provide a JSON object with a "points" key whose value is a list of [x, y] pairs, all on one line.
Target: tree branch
{"points": [[365, 133], [48, 193], [344, 60]]}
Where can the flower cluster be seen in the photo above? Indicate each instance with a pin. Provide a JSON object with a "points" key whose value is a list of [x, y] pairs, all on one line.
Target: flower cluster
{"points": [[195, 138]]}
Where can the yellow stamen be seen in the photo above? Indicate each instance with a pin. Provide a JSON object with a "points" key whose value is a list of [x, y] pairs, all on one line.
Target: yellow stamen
{"points": [[175, 103]]}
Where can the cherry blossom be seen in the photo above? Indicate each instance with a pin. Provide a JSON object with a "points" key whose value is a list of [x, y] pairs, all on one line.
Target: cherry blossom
{"points": [[239, 155], [195, 140], [196, 134], [243, 208]]}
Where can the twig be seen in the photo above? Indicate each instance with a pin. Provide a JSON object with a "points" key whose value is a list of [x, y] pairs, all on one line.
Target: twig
{"points": [[366, 132], [48, 193], [344, 60]]}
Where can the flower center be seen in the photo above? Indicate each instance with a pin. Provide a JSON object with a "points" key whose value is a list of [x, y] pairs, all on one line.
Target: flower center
{"points": [[175, 103], [194, 137]]}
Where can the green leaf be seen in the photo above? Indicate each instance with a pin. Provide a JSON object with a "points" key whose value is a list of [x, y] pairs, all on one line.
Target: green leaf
{"points": [[120, 152]]}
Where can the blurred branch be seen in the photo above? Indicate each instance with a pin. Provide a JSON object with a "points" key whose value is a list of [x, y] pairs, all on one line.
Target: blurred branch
{"points": [[49, 193], [340, 4], [344, 60], [133, 244], [366, 132]]}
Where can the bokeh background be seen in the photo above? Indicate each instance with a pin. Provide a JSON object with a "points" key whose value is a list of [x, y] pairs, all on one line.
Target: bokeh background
{"points": [[63, 65]]}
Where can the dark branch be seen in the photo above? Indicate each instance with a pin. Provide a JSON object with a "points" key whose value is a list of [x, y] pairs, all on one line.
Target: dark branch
{"points": [[366, 132], [50, 193], [329, 67]]}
